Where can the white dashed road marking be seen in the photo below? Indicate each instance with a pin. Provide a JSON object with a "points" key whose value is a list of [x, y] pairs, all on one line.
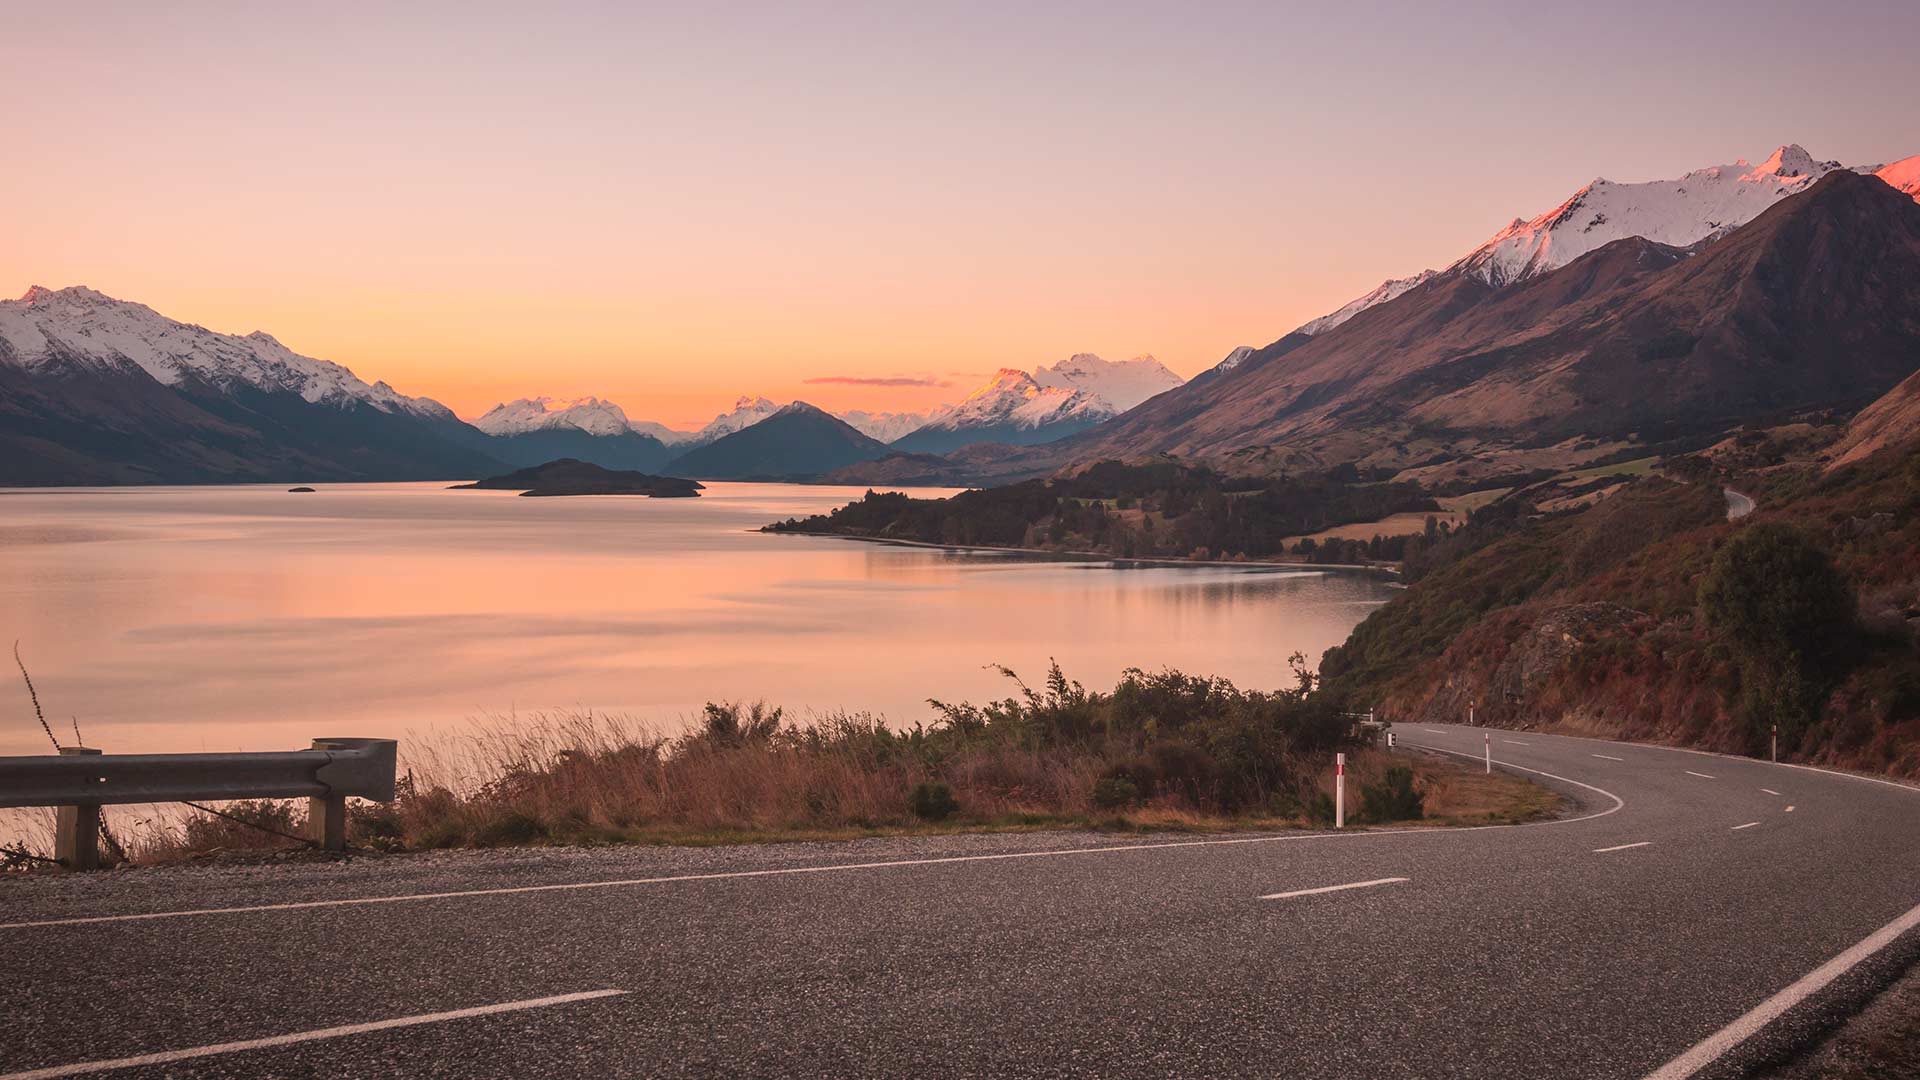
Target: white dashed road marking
{"points": [[1609, 757], [1769, 791], [1306, 892], [1596, 851], [1701, 775], [166, 1056], [1748, 825]]}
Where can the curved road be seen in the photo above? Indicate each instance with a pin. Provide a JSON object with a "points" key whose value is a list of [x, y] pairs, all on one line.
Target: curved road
{"points": [[1738, 505], [1695, 914]]}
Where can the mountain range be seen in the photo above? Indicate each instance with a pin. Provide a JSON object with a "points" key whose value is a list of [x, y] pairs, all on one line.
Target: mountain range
{"points": [[95, 390], [532, 431], [1813, 303], [1631, 315], [1703, 204]]}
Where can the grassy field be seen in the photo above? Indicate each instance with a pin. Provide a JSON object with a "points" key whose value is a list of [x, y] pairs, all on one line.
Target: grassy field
{"points": [[1637, 467], [1407, 524]]}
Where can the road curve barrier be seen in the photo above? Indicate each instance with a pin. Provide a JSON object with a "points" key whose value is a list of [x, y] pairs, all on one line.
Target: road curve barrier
{"points": [[81, 780]]}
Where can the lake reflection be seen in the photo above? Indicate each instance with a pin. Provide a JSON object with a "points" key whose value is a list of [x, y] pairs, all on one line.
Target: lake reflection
{"points": [[179, 619]]}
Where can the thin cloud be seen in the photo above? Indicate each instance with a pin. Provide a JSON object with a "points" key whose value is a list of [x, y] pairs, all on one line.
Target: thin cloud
{"points": [[877, 380]]}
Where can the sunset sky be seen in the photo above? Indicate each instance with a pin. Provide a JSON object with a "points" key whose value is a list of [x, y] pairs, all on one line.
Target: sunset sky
{"points": [[675, 206]]}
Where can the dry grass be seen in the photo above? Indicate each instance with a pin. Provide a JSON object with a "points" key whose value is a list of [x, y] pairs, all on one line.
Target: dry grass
{"points": [[1460, 793], [1162, 751], [595, 779]]}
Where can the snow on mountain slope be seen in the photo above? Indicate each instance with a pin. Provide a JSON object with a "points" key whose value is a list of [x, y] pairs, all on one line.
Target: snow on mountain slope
{"points": [[884, 426], [747, 411], [1235, 358], [1013, 397], [1904, 175], [1386, 291], [49, 327], [1698, 206], [667, 436], [1122, 385], [1680, 213], [588, 414]]}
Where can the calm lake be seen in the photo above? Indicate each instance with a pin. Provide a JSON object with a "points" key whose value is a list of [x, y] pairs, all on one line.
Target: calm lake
{"points": [[249, 618]]}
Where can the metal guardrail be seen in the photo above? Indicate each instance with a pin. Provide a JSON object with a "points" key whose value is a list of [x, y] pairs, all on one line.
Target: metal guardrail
{"points": [[82, 780]]}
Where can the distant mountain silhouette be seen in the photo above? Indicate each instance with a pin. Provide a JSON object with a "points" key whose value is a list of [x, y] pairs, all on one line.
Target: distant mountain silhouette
{"points": [[798, 441]]}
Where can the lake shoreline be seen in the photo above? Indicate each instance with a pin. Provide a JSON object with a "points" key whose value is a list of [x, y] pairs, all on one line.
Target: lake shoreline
{"points": [[1388, 569]]}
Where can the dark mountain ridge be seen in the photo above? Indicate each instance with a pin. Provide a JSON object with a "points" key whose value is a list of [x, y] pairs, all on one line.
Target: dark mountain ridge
{"points": [[799, 441], [1813, 303]]}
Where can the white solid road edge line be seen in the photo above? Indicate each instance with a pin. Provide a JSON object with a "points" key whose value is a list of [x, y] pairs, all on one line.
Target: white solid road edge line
{"points": [[829, 868], [165, 1056], [1744, 1028], [1596, 851], [1306, 892]]}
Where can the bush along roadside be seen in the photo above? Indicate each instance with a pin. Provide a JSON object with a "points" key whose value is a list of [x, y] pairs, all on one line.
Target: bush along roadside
{"points": [[1161, 750]]}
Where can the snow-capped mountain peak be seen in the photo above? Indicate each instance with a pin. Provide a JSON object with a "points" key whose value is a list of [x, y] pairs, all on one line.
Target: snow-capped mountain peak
{"points": [[78, 325], [1792, 160], [1680, 213], [1904, 175], [748, 410], [1699, 206], [588, 414], [884, 426], [1121, 384], [1238, 356]]}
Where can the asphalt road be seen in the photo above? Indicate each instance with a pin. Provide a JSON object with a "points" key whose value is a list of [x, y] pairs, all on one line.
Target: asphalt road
{"points": [[1684, 893]]}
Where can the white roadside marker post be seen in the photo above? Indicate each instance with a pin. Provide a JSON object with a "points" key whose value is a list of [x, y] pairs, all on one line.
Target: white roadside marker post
{"points": [[1339, 791], [1489, 738], [1776, 742]]}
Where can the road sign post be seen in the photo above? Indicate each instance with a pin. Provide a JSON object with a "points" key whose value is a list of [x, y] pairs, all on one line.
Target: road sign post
{"points": [[1339, 791]]}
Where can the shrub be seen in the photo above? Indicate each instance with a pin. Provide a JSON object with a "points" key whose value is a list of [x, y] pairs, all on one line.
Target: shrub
{"points": [[1394, 798], [932, 800], [510, 827], [1777, 598], [244, 826], [1775, 593], [1114, 792]]}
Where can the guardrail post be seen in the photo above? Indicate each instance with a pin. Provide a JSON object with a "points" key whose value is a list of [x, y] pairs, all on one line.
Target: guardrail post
{"points": [[327, 814], [76, 829]]}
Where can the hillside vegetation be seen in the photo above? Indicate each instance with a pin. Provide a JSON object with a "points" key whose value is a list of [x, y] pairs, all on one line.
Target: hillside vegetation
{"points": [[1649, 616], [1163, 509]]}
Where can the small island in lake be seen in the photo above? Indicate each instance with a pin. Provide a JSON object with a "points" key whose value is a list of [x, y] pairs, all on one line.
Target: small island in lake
{"points": [[570, 477]]}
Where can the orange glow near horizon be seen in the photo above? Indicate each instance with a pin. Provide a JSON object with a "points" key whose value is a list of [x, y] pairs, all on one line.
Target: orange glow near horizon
{"points": [[669, 208]]}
